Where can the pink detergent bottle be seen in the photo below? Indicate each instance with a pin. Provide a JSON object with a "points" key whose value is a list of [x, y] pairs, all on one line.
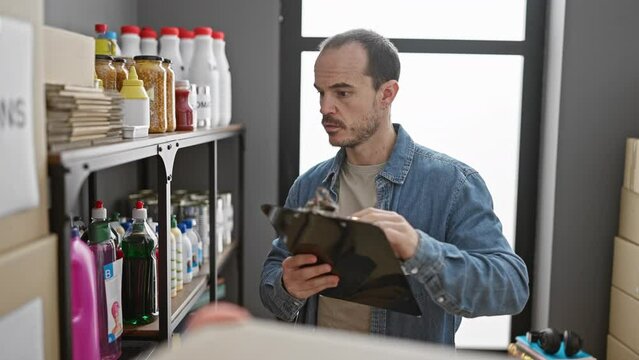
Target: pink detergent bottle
{"points": [[84, 307]]}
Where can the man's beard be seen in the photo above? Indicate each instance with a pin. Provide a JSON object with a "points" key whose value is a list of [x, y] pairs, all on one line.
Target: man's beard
{"points": [[361, 133]]}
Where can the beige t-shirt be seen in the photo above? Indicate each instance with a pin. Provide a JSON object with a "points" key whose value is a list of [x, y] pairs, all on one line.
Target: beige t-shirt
{"points": [[357, 191]]}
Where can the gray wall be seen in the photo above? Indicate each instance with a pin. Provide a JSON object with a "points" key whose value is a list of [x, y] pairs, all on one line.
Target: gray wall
{"points": [[252, 35], [81, 15], [598, 110]]}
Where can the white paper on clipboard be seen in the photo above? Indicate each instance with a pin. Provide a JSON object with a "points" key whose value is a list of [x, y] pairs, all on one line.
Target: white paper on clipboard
{"points": [[18, 177]]}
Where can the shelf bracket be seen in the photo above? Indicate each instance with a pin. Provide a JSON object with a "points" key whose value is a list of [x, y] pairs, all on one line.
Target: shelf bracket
{"points": [[166, 152]]}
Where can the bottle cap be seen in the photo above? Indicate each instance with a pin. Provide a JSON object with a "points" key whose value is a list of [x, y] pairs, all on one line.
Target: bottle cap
{"points": [[169, 30], [174, 223], [101, 28], [130, 29], [111, 35], [99, 231], [203, 30], [75, 233], [186, 34], [139, 213], [182, 227], [219, 35], [188, 223], [147, 33], [133, 88], [99, 212]]}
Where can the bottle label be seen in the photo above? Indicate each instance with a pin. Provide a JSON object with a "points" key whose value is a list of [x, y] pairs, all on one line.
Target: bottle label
{"points": [[113, 291]]}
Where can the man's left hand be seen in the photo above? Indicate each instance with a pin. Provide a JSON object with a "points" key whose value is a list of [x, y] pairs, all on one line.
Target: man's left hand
{"points": [[403, 238]]}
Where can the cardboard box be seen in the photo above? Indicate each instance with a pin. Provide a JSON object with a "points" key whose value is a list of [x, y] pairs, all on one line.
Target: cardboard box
{"points": [[625, 267], [28, 273], [32, 224], [624, 317], [69, 58], [629, 216], [618, 351]]}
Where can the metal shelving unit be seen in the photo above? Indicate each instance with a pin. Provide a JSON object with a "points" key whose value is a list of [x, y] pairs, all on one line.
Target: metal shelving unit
{"points": [[69, 169]]}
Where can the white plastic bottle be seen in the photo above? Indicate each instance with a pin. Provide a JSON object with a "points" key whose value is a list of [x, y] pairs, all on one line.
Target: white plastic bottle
{"points": [[200, 243], [111, 35], [186, 49], [173, 265], [219, 224], [170, 49], [219, 50], [149, 42], [130, 41], [179, 267], [194, 239], [203, 69], [136, 115], [187, 255]]}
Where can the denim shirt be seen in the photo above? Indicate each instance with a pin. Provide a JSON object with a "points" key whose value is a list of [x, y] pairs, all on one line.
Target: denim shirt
{"points": [[463, 266]]}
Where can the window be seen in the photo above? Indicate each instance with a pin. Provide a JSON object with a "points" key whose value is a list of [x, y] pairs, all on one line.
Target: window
{"points": [[469, 87]]}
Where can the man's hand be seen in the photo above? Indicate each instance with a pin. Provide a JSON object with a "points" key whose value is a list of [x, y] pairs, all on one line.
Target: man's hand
{"points": [[217, 313], [401, 235], [302, 280]]}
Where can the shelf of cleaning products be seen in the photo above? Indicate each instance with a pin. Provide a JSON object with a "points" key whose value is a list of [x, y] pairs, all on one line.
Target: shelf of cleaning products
{"points": [[182, 304], [70, 169]]}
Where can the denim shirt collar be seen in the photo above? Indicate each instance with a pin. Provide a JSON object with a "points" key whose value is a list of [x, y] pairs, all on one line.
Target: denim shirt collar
{"points": [[396, 168]]}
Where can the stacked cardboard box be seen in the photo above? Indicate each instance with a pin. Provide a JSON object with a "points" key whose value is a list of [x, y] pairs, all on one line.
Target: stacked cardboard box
{"points": [[82, 116], [28, 253], [623, 338]]}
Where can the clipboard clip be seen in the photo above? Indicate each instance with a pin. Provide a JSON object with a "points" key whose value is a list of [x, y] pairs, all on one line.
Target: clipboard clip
{"points": [[322, 203]]}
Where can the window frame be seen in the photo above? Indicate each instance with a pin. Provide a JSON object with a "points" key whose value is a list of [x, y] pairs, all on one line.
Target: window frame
{"points": [[292, 44]]}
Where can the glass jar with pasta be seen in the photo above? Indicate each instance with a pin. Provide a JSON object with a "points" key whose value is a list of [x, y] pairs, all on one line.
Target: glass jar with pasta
{"points": [[121, 72], [105, 71], [170, 95], [150, 70]]}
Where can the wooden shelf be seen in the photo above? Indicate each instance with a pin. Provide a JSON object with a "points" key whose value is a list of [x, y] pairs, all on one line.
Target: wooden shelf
{"points": [[186, 298]]}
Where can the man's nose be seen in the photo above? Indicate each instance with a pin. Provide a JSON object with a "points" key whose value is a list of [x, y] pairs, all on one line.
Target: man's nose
{"points": [[327, 106]]}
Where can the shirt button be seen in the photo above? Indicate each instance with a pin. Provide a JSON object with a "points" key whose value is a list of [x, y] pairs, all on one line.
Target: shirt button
{"points": [[413, 271], [440, 299]]}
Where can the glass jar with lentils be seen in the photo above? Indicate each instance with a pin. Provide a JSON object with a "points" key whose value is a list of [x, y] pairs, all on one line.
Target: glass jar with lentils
{"points": [[150, 70]]}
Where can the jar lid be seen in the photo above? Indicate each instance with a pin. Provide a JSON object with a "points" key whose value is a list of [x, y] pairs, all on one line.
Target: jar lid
{"points": [[130, 29], [182, 83], [104, 57], [119, 60], [219, 35], [147, 57], [166, 60]]}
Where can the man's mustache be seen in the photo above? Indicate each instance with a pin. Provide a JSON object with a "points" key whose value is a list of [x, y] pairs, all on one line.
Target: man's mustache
{"points": [[328, 120]]}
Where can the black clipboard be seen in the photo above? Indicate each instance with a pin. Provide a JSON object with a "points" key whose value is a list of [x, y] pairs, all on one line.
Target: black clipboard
{"points": [[358, 252]]}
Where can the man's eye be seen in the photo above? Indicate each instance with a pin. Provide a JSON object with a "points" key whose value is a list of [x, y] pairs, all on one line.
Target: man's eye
{"points": [[342, 93]]}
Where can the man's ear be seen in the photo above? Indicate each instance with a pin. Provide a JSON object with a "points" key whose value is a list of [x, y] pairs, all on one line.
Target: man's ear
{"points": [[388, 91]]}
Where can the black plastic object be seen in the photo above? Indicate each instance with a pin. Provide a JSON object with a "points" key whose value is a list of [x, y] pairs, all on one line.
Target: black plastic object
{"points": [[358, 252]]}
